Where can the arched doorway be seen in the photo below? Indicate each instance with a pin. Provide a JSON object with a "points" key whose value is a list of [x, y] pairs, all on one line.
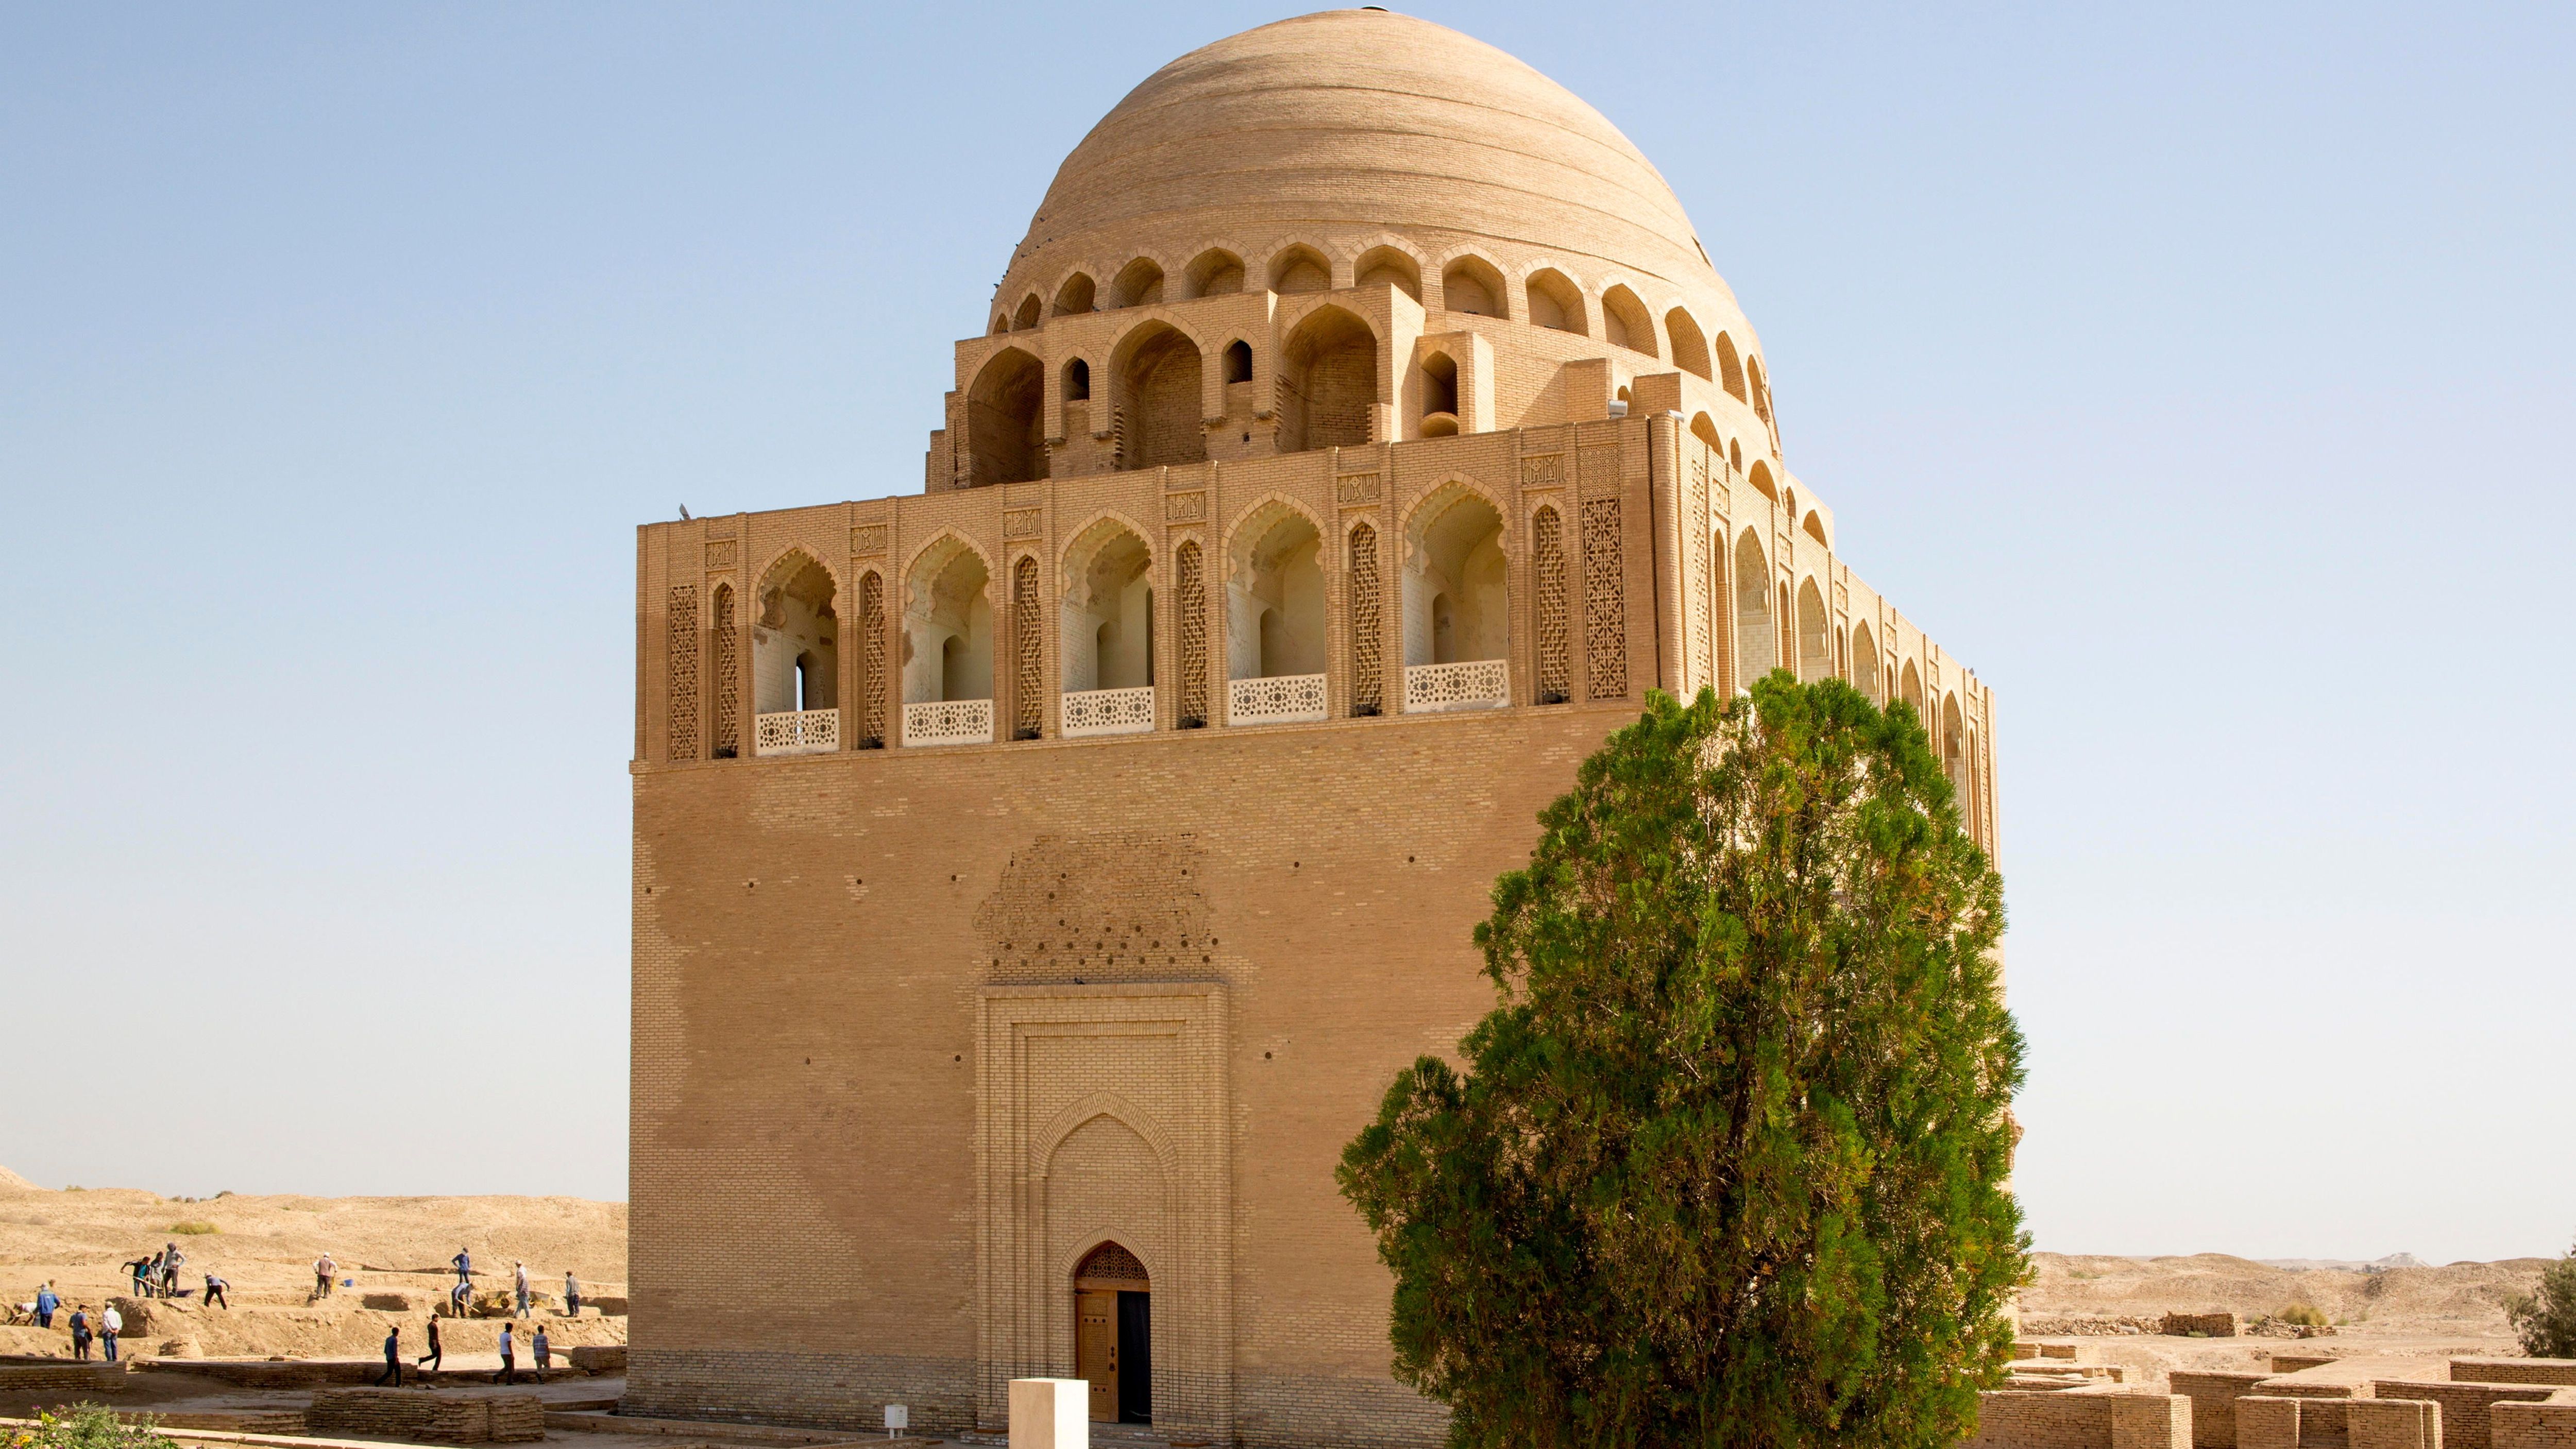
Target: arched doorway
{"points": [[1113, 1335]]}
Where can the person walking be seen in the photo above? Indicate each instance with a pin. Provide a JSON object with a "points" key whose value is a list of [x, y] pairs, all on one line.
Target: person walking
{"points": [[80, 1333], [110, 1324], [215, 1293], [46, 1302], [545, 1355], [392, 1376], [572, 1295], [323, 1268], [464, 1264], [519, 1272], [436, 1358], [509, 1366]]}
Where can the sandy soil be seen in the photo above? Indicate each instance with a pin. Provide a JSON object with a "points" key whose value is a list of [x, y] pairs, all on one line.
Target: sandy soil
{"points": [[265, 1247], [2458, 1299]]}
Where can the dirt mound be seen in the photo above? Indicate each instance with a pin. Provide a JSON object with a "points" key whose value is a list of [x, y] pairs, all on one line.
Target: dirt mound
{"points": [[2458, 1298], [12, 1182]]}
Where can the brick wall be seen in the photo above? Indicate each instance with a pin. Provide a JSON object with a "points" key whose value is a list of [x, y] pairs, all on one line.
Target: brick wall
{"points": [[2464, 1406], [2213, 1404]]}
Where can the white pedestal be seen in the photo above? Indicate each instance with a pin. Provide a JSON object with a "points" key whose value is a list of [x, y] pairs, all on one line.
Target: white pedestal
{"points": [[1050, 1414]]}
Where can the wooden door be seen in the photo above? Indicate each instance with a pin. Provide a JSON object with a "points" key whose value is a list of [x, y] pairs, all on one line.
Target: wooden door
{"points": [[1095, 1350]]}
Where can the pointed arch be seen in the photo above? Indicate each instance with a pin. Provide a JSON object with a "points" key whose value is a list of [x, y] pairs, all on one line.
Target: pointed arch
{"points": [[1690, 345], [1457, 595], [1215, 272], [1555, 302], [1815, 641], [1474, 286], [1760, 478], [1864, 662], [1730, 368], [1625, 321], [1030, 312], [795, 636], [948, 622], [1076, 295], [1328, 382], [1274, 592], [1299, 268], [1391, 266], [1006, 420], [1106, 607], [1756, 648], [1911, 687], [1138, 284], [1155, 370]]}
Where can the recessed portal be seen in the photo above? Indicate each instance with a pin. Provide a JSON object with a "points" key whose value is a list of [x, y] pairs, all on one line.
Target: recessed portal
{"points": [[1113, 1335]]}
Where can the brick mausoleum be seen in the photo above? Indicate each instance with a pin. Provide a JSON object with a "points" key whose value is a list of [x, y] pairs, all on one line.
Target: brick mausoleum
{"points": [[1040, 877]]}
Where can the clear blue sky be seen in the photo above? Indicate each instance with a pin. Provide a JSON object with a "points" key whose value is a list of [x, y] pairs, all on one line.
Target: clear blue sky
{"points": [[2199, 373]]}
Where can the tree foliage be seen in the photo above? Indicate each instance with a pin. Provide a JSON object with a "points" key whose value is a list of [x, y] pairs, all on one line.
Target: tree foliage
{"points": [[2546, 1321], [1727, 1163]]}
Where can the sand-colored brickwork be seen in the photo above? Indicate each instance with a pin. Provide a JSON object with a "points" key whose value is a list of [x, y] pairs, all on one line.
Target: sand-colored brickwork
{"points": [[1357, 435]]}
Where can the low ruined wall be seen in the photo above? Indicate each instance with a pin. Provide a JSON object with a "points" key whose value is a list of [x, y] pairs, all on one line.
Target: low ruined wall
{"points": [[2080, 1419], [2560, 1371], [2547, 1425], [2277, 1421], [2208, 1325], [2213, 1398], [428, 1418], [2464, 1406]]}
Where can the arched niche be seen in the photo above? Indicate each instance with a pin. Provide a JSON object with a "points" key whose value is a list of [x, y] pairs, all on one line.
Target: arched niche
{"points": [[1457, 598], [1274, 596], [795, 638], [1157, 367], [1006, 420], [1328, 382]]}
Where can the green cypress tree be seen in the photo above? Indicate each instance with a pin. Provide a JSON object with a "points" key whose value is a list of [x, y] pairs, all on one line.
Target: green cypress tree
{"points": [[2545, 1321], [1727, 1164]]}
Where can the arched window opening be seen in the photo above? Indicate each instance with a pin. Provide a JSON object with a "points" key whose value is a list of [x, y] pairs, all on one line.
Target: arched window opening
{"points": [[1107, 632], [1001, 324], [1554, 654], [1690, 345], [1864, 662], [1625, 321], [1555, 302], [1327, 383], [1368, 675], [795, 659], [1030, 311], [1912, 688], [1075, 296], [1756, 647], [1760, 478], [1390, 267], [1815, 641], [1730, 369], [1300, 269], [726, 728], [1216, 273], [1238, 362], [1439, 396], [1006, 421], [1190, 621], [1158, 399], [1028, 674], [1704, 428], [1457, 605], [1139, 284], [1274, 614], [1814, 527], [948, 647], [1473, 286], [1077, 381]]}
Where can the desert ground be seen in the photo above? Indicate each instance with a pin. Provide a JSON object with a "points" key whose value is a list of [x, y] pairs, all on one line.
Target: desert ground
{"points": [[394, 1252]]}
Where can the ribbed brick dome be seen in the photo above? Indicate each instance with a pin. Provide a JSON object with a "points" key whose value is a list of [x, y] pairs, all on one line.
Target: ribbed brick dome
{"points": [[1330, 126]]}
